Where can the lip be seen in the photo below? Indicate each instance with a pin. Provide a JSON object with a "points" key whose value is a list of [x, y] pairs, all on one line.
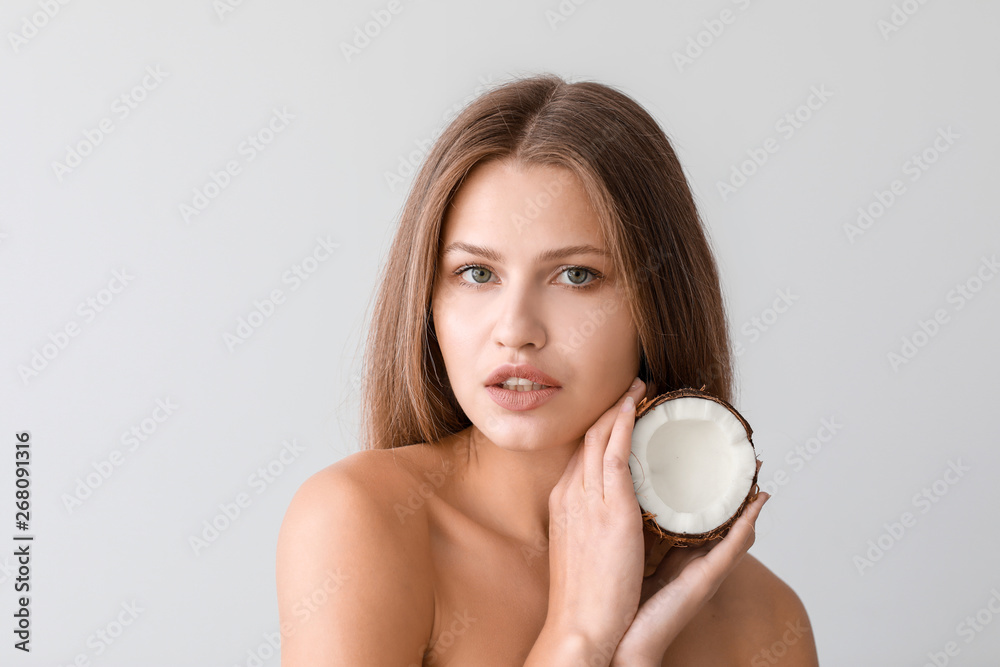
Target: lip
{"points": [[526, 371], [518, 401]]}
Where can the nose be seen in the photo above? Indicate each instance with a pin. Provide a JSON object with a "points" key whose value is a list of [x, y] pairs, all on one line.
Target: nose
{"points": [[519, 318]]}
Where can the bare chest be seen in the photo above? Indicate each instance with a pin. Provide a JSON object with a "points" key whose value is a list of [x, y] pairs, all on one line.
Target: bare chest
{"points": [[491, 597], [490, 609]]}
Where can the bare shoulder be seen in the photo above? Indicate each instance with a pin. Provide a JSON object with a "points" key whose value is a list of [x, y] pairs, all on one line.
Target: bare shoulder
{"points": [[366, 484], [353, 578], [767, 618]]}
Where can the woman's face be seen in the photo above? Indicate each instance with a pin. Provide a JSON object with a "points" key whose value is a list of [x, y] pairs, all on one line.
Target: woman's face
{"points": [[503, 302]]}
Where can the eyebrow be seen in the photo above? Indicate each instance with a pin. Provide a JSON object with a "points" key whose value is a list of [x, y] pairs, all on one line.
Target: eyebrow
{"points": [[547, 255]]}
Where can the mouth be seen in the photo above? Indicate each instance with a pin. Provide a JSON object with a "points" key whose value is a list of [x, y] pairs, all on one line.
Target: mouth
{"points": [[522, 388], [521, 378], [521, 397]]}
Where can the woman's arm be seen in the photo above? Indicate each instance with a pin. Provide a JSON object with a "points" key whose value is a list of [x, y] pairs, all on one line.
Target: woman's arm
{"points": [[558, 649], [680, 586], [354, 587]]}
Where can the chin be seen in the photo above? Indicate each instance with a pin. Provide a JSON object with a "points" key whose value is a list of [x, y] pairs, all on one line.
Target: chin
{"points": [[510, 434]]}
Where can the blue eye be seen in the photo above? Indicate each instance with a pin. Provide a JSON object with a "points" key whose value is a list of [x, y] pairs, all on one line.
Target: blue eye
{"points": [[579, 270]]}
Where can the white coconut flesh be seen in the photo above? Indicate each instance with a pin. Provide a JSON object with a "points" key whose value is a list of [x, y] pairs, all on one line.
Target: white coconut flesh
{"points": [[692, 464]]}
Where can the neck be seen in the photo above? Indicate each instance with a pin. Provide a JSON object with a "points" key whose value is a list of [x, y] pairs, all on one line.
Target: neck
{"points": [[509, 490]]}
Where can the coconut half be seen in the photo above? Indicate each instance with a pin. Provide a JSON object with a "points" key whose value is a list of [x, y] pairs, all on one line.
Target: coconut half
{"points": [[693, 465]]}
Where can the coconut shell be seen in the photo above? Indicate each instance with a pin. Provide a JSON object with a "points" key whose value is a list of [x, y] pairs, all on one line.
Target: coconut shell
{"points": [[696, 539]]}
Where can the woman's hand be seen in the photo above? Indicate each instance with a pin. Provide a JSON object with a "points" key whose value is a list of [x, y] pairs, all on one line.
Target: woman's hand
{"points": [[595, 535], [679, 586]]}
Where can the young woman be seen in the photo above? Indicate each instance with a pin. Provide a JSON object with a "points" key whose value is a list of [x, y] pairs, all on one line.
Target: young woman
{"points": [[549, 270]]}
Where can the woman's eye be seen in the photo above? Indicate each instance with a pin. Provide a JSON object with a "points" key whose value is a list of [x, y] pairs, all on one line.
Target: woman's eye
{"points": [[577, 273], [477, 273], [577, 276]]}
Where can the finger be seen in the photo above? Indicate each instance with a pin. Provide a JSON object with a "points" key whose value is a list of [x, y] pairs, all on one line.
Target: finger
{"points": [[595, 442], [572, 473], [618, 483], [740, 537]]}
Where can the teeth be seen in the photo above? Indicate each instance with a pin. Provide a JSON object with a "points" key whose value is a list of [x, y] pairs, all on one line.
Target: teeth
{"points": [[520, 384]]}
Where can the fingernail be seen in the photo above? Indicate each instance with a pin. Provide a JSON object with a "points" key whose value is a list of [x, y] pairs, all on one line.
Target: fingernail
{"points": [[628, 404], [635, 384]]}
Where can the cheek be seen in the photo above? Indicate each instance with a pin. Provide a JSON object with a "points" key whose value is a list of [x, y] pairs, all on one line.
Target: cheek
{"points": [[460, 338], [603, 328]]}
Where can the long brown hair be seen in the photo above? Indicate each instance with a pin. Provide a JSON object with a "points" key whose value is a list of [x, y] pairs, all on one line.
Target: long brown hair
{"points": [[648, 217]]}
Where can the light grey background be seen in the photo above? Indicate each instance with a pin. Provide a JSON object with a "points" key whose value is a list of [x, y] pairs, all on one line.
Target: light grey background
{"points": [[328, 174]]}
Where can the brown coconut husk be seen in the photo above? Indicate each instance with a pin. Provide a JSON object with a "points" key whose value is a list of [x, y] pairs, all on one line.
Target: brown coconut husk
{"points": [[696, 539]]}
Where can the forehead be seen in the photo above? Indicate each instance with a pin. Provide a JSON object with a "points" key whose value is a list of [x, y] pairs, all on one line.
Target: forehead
{"points": [[524, 208]]}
